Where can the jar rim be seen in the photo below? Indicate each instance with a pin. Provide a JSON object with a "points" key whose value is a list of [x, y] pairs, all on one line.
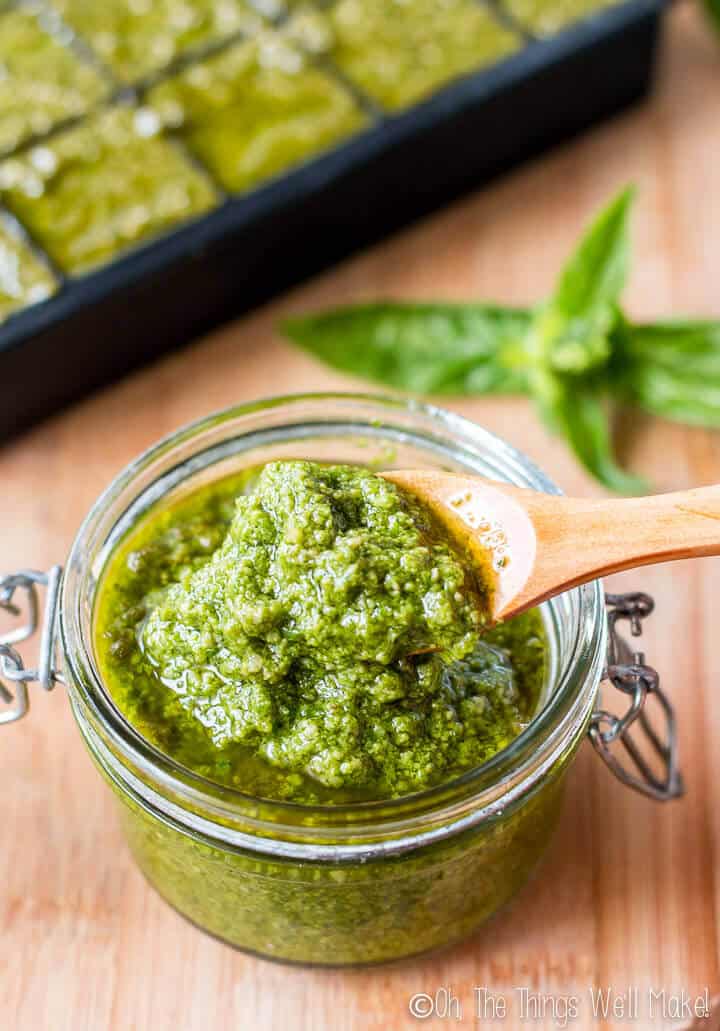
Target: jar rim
{"points": [[191, 799]]}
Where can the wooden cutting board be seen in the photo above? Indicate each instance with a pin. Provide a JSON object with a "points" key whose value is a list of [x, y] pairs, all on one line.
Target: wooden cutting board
{"points": [[629, 896]]}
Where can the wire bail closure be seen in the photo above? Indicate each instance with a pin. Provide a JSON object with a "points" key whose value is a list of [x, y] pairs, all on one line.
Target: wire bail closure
{"points": [[628, 673], [14, 677]]}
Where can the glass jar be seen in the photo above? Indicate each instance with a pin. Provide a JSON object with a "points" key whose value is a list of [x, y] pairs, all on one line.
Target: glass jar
{"points": [[354, 883]]}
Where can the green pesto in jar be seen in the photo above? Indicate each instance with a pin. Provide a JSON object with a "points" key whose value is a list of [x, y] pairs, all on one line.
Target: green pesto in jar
{"points": [[309, 633]]}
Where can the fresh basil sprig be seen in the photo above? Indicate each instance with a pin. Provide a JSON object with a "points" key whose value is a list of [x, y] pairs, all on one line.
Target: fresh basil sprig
{"points": [[576, 354]]}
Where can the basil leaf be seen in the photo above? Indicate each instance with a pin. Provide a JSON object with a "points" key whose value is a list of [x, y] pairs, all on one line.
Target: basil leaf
{"points": [[671, 396], [713, 9], [579, 414], [571, 331], [671, 369], [690, 348], [462, 349]]}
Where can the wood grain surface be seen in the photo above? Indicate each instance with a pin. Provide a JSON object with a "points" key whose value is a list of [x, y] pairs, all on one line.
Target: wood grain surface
{"points": [[629, 894]]}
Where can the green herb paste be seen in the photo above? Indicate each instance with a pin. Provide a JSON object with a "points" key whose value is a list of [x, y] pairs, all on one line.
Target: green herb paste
{"points": [[399, 52], [92, 191], [308, 632], [24, 279], [256, 110], [547, 17], [42, 82], [138, 37]]}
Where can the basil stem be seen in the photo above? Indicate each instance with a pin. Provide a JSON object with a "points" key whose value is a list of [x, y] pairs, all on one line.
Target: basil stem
{"points": [[570, 331]]}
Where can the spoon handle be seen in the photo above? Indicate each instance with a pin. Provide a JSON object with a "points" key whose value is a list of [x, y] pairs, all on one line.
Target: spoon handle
{"points": [[610, 536]]}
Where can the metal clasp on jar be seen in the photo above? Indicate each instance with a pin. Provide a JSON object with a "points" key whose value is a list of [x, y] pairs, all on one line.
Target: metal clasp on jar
{"points": [[19, 600], [628, 673]]}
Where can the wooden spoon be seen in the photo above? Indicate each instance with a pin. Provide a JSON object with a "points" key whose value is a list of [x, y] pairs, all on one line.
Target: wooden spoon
{"points": [[541, 544]]}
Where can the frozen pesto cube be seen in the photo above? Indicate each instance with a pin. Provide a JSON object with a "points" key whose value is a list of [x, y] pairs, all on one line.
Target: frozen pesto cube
{"points": [[401, 51], [97, 189], [42, 82], [24, 278], [545, 17], [256, 110], [138, 37]]}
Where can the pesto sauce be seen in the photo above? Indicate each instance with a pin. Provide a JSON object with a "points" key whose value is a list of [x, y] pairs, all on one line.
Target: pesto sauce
{"points": [[308, 633], [92, 191], [42, 82], [138, 37], [548, 17], [24, 278], [256, 110], [399, 52]]}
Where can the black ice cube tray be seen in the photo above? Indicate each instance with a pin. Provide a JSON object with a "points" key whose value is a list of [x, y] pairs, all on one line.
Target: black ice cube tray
{"points": [[164, 291]]}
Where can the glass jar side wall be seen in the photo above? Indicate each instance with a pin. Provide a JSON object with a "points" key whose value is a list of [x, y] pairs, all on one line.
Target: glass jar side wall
{"points": [[346, 913]]}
